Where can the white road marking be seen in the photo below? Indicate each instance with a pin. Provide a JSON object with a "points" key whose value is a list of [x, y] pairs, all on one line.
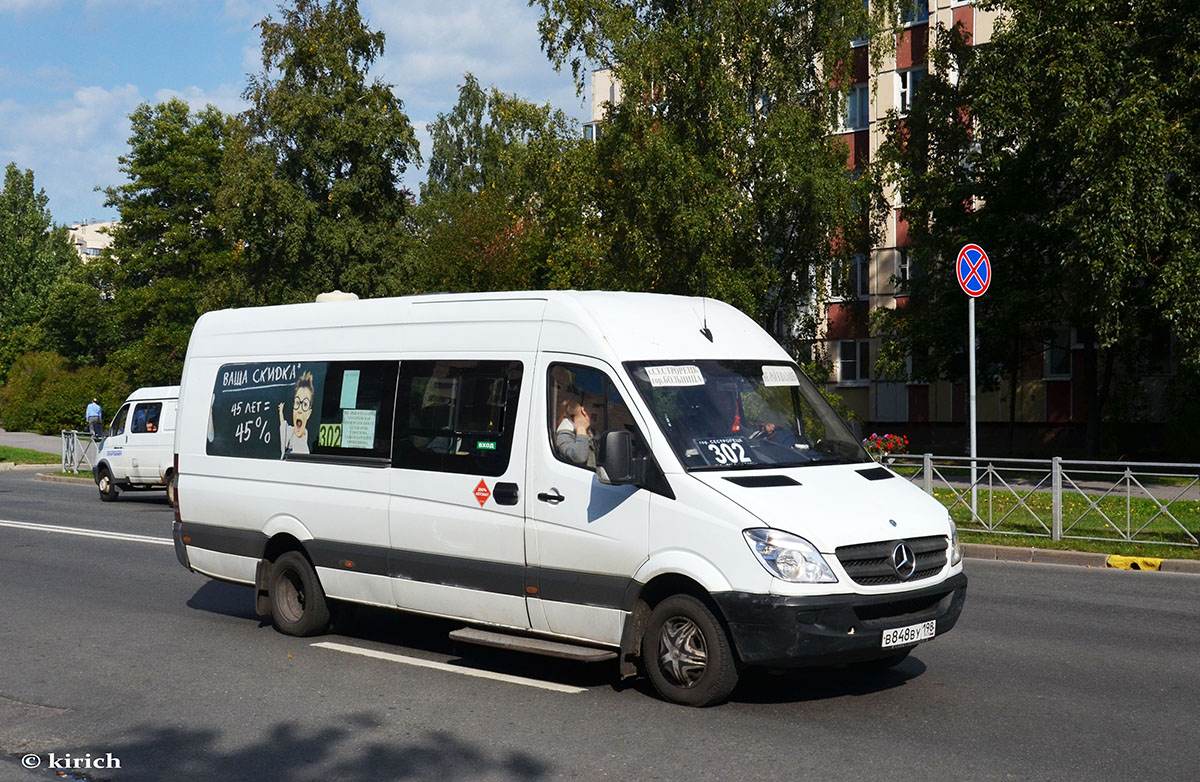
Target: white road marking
{"points": [[500, 677], [87, 533]]}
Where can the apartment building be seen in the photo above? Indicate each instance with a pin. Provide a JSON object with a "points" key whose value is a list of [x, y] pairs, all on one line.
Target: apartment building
{"points": [[91, 237], [1050, 409], [881, 279]]}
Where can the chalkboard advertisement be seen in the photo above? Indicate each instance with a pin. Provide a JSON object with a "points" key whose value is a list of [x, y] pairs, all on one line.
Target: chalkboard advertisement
{"points": [[266, 410]]}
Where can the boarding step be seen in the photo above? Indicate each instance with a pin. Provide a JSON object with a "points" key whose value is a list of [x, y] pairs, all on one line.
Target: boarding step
{"points": [[524, 643]]}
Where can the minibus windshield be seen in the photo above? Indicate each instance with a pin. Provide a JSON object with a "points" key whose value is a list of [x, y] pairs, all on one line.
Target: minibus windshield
{"points": [[724, 415]]}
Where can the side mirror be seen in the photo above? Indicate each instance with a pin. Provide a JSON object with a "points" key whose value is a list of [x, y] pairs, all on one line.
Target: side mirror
{"points": [[614, 463], [856, 429]]}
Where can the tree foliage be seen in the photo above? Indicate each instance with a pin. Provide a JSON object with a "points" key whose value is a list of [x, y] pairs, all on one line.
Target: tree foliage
{"points": [[44, 393], [502, 208], [170, 256], [1067, 149], [717, 172], [33, 254], [313, 196]]}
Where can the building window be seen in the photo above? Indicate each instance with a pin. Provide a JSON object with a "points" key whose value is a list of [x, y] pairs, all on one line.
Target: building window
{"points": [[591, 131], [909, 81], [903, 269], [854, 361], [856, 114], [851, 280], [1058, 355], [914, 12], [862, 40]]}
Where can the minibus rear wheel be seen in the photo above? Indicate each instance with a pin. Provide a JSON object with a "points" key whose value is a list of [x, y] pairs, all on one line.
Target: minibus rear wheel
{"points": [[298, 604], [687, 654]]}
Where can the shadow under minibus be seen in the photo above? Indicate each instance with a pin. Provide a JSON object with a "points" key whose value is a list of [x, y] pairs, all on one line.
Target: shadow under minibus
{"points": [[428, 637]]}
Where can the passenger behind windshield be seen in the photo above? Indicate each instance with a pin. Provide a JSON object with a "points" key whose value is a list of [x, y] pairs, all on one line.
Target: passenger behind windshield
{"points": [[744, 414]]}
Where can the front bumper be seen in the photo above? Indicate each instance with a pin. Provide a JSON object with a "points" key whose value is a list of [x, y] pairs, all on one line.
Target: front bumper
{"points": [[779, 632]]}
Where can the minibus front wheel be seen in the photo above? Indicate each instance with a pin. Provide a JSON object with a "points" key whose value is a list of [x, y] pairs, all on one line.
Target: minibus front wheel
{"points": [[687, 654], [106, 485], [298, 604]]}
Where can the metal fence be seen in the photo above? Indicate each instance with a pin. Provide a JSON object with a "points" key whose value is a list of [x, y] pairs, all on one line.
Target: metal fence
{"points": [[1145, 502], [78, 449]]}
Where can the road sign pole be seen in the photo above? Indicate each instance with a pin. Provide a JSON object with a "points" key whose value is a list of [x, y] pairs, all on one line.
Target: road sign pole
{"points": [[974, 271], [971, 392]]}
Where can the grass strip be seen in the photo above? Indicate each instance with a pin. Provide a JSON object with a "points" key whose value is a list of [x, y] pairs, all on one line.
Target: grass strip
{"points": [[26, 456]]}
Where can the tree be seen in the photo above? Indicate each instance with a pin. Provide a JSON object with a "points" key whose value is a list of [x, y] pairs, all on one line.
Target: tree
{"points": [[170, 256], [312, 193], [502, 208], [33, 253], [717, 171], [1067, 148]]}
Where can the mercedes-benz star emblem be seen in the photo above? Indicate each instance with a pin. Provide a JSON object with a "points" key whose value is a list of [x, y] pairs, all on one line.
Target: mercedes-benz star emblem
{"points": [[904, 561]]}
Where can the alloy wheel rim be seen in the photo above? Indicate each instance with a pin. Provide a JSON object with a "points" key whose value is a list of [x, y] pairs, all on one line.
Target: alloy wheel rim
{"points": [[682, 652], [292, 598]]}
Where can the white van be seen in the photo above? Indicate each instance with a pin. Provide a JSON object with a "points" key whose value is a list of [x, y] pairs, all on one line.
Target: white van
{"points": [[588, 475], [137, 449]]}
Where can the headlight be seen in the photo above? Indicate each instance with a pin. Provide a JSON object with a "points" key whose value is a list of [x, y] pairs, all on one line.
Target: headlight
{"points": [[789, 557], [956, 551]]}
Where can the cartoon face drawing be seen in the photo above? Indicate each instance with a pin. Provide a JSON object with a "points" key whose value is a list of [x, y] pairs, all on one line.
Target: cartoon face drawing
{"points": [[302, 405]]}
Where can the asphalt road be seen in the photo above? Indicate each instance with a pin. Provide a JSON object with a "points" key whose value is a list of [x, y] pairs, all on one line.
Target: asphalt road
{"points": [[109, 646]]}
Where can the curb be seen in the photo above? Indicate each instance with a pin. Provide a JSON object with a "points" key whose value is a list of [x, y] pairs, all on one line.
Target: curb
{"points": [[1078, 558], [9, 466], [47, 477]]}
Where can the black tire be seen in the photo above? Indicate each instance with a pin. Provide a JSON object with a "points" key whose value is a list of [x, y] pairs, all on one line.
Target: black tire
{"points": [[104, 482], [883, 663], [298, 604], [171, 486], [687, 654]]}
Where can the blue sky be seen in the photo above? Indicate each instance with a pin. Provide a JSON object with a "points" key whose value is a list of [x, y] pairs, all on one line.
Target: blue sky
{"points": [[71, 72]]}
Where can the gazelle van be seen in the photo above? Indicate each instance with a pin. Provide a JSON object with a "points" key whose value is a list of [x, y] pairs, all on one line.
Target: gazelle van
{"points": [[587, 475], [137, 449]]}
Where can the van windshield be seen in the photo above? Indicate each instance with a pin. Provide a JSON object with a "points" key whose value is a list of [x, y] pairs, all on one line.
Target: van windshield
{"points": [[723, 415]]}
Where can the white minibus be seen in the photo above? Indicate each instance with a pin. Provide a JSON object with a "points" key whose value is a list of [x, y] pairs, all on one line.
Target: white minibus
{"points": [[137, 449], [590, 475]]}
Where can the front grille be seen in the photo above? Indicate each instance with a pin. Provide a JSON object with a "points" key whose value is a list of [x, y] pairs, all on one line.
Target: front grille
{"points": [[870, 564]]}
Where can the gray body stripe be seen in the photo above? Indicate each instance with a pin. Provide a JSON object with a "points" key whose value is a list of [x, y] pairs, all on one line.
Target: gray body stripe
{"points": [[564, 586]]}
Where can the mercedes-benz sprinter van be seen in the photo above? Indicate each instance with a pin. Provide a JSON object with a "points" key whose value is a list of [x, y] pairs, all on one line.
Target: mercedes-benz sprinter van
{"points": [[585, 474]]}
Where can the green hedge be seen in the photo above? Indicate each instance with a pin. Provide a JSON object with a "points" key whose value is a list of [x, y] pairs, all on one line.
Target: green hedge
{"points": [[44, 394]]}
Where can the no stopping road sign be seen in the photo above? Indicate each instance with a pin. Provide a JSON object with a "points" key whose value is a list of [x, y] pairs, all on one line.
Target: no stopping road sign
{"points": [[974, 270]]}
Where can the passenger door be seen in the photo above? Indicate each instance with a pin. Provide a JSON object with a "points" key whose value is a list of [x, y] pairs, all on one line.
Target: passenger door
{"points": [[145, 442], [585, 539], [457, 485], [114, 449]]}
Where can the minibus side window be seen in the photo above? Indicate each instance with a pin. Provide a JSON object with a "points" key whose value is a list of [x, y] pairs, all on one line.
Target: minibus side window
{"points": [[356, 409], [323, 411], [117, 427], [456, 416], [582, 398], [145, 418]]}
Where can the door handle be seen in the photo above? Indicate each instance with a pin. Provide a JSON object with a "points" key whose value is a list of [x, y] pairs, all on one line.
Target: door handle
{"points": [[552, 496]]}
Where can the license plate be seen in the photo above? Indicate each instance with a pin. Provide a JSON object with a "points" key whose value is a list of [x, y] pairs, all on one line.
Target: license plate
{"points": [[901, 636]]}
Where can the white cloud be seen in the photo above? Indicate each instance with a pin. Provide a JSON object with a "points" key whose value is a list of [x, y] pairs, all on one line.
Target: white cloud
{"points": [[226, 97], [71, 145], [18, 6], [429, 49]]}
